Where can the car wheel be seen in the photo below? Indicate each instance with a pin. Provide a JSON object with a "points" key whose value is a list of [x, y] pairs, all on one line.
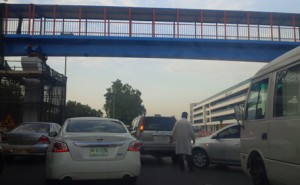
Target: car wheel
{"points": [[57, 182], [51, 182], [258, 171], [200, 159], [130, 180], [1, 163], [9, 158], [174, 159]]}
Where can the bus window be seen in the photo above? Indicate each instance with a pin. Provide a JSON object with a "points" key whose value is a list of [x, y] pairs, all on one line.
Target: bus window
{"points": [[286, 96], [257, 100]]}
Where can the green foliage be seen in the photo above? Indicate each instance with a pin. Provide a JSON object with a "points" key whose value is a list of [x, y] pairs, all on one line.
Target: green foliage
{"points": [[10, 98], [9, 91], [123, 102], [74, 109]]}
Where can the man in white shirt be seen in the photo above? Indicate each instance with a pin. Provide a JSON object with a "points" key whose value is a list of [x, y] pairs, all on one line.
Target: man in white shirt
{"points": [[183, 134]]}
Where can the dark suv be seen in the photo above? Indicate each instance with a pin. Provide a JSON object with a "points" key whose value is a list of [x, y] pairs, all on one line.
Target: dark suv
{"points": [[155, 132]]}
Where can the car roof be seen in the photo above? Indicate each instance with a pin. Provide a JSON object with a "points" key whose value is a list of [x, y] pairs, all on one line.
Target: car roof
{"points": [[227, 126], [37, 123], [283, 60], [159, 117], [93, 118], [230, 125]]}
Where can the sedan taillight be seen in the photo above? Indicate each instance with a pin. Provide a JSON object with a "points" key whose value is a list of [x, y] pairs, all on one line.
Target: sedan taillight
{"points": [[135, 146], [44, 140], [3, 139], [60, 147]]}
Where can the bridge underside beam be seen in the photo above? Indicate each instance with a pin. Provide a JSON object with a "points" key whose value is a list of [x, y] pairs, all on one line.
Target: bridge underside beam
{"points": [[204, 49]]}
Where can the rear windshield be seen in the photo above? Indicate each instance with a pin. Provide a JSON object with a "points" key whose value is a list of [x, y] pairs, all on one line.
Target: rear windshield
{"points": [[159, 123], [38, 128], [103, 126]]}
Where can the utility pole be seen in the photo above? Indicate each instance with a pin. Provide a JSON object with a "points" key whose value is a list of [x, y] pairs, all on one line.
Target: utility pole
{"points": [[114, 104], [65, 65]]}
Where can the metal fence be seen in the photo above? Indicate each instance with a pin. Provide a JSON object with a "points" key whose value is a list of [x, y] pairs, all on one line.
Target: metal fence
{"points": [[121, 28]]}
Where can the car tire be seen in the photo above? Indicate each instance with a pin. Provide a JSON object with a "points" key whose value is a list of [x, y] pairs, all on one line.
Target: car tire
{"points": [[9, 158], [130, 181], [57, 182], [174, 159], [1, 163], [200, 159], [51, 182], [258, 171]]}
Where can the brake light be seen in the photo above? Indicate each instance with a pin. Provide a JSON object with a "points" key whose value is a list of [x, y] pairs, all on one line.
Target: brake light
{"points": [[44, 140], [135, 146], [60, 147], [142, 127]]}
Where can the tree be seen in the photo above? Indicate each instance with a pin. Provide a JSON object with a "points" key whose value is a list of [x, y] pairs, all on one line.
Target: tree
{"points": [[74, 109], [123, 102]]}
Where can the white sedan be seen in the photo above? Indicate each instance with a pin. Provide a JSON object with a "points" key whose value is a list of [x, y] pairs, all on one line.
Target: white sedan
{"points": [[90, 148]]}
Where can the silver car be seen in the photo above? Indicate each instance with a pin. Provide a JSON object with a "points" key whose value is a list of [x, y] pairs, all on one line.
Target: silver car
{"points": [[31, 138], [222, 147], [90, 148]]}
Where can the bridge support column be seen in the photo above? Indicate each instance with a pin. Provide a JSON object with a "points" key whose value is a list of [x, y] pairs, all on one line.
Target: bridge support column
{"points": [[33, 89], [31, 110]]}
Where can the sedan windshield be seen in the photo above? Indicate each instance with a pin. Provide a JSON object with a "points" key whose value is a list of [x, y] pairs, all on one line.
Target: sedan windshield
{"points": [[95, 126]]}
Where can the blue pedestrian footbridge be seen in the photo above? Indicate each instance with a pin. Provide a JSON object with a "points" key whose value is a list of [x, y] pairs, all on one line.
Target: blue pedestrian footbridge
{"points": [[100, 31]]}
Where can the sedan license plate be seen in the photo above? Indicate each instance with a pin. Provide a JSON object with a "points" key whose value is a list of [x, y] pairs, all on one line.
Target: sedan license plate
{"points": [[19, 151], [99, 152]]}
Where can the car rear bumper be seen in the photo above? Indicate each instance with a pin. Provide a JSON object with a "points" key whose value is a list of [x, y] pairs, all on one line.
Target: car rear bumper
{"points": [[40, 149], [158, 150], [61, 165]]}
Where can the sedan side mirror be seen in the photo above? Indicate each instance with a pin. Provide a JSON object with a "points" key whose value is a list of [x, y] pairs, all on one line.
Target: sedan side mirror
{"points": [[52, 134]]}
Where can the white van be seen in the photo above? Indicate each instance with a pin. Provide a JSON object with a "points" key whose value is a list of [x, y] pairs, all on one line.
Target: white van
{"points": [[270, 120]]}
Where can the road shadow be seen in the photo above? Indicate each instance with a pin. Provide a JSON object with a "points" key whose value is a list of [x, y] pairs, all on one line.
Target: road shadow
{"points": [[224, 168], [153, 161], [25, 160]]}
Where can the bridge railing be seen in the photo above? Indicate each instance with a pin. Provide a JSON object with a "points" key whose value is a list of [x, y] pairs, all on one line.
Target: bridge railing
{"points": [[120, 28]]}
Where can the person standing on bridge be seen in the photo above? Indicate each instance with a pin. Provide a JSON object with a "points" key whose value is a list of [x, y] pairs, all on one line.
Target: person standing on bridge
{"points": [[183, 134]]}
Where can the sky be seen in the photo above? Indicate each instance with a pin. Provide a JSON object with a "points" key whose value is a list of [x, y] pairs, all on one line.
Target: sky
{"points": [[168, 86]]}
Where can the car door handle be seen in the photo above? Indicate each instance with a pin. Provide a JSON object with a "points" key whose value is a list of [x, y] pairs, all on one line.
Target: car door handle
{"points": [[264, 136], [236, 143]]}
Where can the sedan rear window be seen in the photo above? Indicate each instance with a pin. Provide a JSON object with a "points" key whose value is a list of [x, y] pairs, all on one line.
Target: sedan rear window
{"points": [[38, 128], [95, 126]]}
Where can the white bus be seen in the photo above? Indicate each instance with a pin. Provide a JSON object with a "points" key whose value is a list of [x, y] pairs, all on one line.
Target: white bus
{"points": [[270, 121]]}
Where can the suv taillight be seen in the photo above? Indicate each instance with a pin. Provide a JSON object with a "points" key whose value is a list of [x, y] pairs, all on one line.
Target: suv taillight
{"points": [[142, 124], [3, 139], [60, 147], [142, 127], [135, 146]]}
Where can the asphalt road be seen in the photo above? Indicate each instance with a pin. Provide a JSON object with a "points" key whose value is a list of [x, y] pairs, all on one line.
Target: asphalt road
{"points": [[25, 171]]}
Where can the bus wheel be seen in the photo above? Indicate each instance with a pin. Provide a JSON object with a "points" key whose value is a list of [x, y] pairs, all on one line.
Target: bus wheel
{"points": [[258, 171]]}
